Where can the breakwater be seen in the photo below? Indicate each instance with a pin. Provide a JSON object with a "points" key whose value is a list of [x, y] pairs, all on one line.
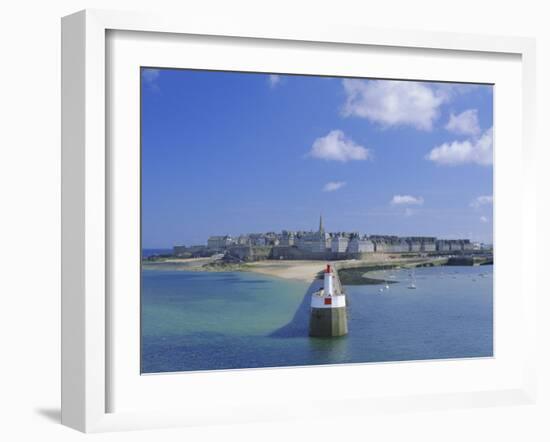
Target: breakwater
{"points": [[469, 260], [353, 273]]}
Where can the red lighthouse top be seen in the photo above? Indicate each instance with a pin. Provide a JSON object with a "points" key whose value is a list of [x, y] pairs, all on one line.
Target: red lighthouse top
{"points": [[327, 270]]}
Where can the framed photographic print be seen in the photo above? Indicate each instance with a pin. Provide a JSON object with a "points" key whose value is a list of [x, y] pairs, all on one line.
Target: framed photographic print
{"points": [[234, 237], [259, 222]]}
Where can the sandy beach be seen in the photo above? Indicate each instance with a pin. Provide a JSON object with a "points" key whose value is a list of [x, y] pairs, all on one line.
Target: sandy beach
{"points": [[295, 269], [291, 269], [307, 270], [301, 270]]}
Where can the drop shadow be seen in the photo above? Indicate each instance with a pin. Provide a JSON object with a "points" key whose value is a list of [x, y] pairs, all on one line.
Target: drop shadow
{"points": [[299, 324], [51, 414]]}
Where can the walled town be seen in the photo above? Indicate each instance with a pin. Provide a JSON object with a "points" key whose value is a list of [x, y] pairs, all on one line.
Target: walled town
{"points": [[321, 245]]}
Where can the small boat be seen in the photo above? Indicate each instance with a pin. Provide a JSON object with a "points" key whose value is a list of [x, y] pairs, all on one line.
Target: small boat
{"points": [[387, 287], [412, 284]]}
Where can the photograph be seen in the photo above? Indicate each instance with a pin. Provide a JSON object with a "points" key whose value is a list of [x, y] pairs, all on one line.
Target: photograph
{"points": [[303, 220]]}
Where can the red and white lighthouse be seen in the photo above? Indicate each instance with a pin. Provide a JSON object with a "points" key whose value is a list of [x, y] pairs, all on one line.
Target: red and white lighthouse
{"points": [[328, 307]]}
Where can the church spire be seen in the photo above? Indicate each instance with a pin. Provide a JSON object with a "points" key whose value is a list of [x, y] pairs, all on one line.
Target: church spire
{"points": [[321, 228]]}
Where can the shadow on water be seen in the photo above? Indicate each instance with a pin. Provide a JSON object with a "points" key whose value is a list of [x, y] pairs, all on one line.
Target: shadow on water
{"points": [[299, 324]]}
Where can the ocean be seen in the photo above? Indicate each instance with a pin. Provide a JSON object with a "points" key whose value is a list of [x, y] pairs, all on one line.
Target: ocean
{"points": [[207, 321]]}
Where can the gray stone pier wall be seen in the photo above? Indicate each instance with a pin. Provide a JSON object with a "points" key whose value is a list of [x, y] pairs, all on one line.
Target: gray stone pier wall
{"points": [[328, 322]]}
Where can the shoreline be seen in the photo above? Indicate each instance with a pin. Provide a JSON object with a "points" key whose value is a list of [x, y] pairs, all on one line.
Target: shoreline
{"points": [[305, 271], [298, 270], [352, 271]]}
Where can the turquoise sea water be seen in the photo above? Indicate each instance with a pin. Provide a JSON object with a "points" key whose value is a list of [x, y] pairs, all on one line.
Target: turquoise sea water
{"points": [[208, 321]]}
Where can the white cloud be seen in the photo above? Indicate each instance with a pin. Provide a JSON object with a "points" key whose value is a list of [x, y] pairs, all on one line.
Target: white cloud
{"points": [[465, 123], [477, 151], [392, 103], [331, 186], [273, 80], [483, 219], [481, 201], [150, 76], [337, 147], [406, 200]]}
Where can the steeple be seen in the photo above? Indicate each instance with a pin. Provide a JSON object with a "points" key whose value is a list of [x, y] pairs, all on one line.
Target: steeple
{"points": [[321, 228]]}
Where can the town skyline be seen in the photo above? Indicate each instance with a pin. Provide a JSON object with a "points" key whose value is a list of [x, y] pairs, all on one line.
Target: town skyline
{"points": [[236, 237], [361, 233], [320, 244], [288, 237], [231, 153]]}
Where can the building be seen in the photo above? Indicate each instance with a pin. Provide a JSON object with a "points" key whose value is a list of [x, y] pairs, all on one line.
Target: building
{"points": [[428, 244], [271, 239], [243, 240], [389, 244], [415, 244], [455, 245], [379, 245], [359, 244], [287, 238], [339, 244], [397, 245], [314, 242], [219, 242], [323, 245], [258, 239]]}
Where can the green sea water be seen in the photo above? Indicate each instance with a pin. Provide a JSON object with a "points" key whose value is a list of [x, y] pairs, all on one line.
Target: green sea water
{"points": [[208, 321]]}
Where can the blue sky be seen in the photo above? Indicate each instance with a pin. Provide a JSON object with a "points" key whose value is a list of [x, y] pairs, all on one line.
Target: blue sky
{"points": [[230, 153]]}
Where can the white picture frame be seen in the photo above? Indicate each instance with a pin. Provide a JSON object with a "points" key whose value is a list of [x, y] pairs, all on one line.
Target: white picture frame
{"points": [[86, 204]]}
